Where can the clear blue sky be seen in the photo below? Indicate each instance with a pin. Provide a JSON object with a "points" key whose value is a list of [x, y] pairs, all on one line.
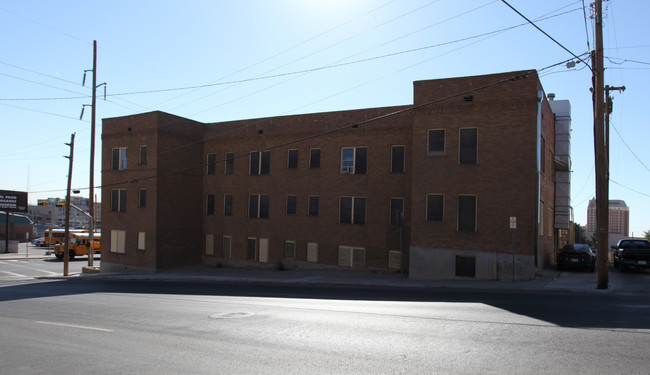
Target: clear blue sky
{"points": [[262, 58]]}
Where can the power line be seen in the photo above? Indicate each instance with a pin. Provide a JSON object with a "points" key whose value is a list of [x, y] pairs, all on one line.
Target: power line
{"points": [[544, 32], [279, 75], [636, 191], [628, 147]]}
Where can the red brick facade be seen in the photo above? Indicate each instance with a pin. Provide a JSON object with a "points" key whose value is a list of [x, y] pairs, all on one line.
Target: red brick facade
{"points": [[250, 182]]}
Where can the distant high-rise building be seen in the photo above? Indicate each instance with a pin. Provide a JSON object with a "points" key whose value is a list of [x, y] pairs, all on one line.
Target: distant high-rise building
{"points": [[619, 217]]}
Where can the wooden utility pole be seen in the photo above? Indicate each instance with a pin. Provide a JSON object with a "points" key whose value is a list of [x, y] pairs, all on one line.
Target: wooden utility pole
{"points": [[91, 192], [66, 238], [602, 164]]}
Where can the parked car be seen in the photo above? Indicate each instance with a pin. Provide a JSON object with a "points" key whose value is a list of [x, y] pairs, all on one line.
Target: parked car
{"points": [[39, 242], [632, 253], [576, 256]]}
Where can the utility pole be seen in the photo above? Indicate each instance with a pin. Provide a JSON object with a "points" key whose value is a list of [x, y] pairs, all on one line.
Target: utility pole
{"points": [[66, 250], [91, 192], [602, 164]]}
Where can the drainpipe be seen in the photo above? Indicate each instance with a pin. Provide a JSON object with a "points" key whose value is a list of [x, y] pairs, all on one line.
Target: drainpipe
{"points": [[538, 182]]}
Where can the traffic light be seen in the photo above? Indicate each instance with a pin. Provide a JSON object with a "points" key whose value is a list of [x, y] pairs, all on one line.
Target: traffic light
{"points": [[60, 204], [43, 203]]}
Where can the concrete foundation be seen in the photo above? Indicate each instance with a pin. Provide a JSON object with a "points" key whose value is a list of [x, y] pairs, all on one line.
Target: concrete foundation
{"points": [[442, 264]]}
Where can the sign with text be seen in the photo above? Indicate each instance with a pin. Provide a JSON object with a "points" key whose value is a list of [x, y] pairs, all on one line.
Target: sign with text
{"points": [[513, 222], [13, 201]]}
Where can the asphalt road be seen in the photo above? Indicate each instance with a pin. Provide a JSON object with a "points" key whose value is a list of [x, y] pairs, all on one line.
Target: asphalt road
{"points": [[154, 327]]}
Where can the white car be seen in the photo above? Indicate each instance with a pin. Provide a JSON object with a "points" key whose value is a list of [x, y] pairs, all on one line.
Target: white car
{"points": [[39, 241]]}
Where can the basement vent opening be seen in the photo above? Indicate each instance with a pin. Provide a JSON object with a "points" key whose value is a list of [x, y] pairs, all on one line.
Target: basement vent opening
{"points": [[469, 98], [465, 266]]}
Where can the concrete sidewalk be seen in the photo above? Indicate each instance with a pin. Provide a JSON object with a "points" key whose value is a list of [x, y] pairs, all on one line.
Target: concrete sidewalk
{"points": [[545, 280], [26, 251]]}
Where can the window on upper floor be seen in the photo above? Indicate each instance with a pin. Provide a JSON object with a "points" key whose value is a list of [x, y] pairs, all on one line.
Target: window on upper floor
{"points": [[118, 200], [396, 210], [313, 203], [436, 142], [314, 158], [258, 206], [352, 210], [354, 160], [142, 198], [468, 146], [467, 213], [143, 155], [435, 207], [209, 204], [119, 159], [260, 163], [211, 164], [292, 159], [227, 205], [292, 202], [397, 159], [230, 163]]}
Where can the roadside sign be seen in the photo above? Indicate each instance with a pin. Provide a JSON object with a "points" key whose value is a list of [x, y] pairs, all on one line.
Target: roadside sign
{"points": [[13, 201], [513, 222]]}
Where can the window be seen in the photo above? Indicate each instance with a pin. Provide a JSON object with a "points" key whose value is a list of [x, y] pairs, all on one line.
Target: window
{"points": [[352, 210], [118, 200], [209, 204], [467, 213], [435, 207], [211, 165], [312, 252], [141, 240], [313, 205], [290, 249], [352, 256], [293, 159], [354, 160], [258, 206], [142, 198], [396, 208], [209, 244], [394, 259], [260, 163], [397, 159], [119, 159], [143, 155], [291, 204], [117, 241], [226, 245], [230, 163], [468, 146], [227, 205], [436, 141], [251, 249], [314, 158]]}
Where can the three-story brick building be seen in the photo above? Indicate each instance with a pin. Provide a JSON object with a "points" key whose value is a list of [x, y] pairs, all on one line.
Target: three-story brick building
{"points": [[337, 188]]}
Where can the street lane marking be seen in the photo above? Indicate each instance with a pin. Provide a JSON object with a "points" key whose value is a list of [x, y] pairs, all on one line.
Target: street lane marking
{"points": [[13, 274], [75, 326]]}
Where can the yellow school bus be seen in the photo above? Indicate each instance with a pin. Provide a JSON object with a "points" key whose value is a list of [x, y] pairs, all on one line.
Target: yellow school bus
{"points": [[79, 245], [56, 236]]}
